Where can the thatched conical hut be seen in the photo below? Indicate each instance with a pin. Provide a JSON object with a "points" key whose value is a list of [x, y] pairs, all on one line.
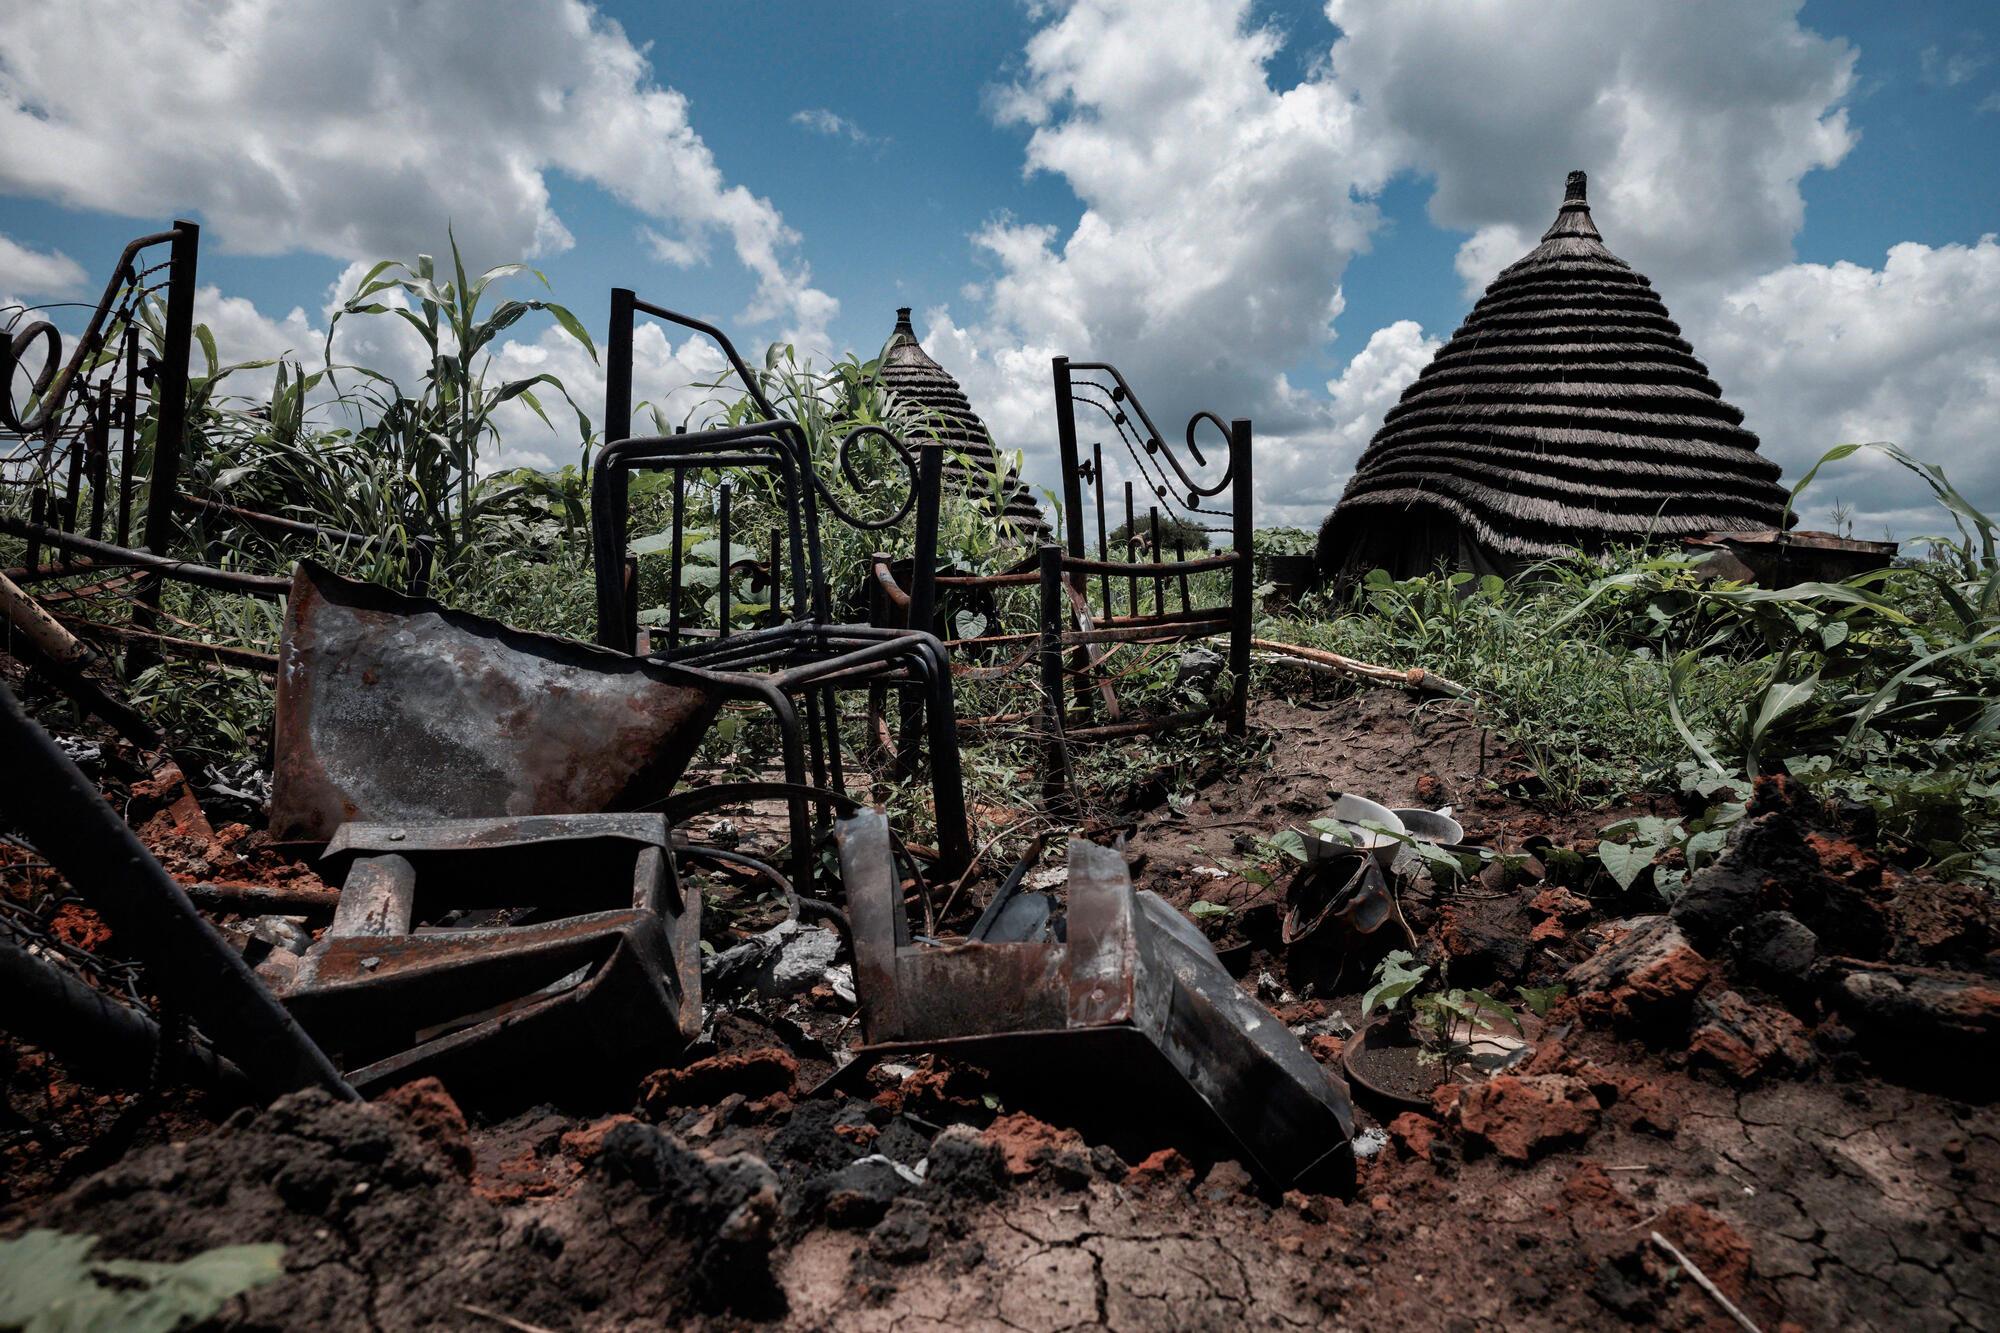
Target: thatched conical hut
{"points": [[1566, 412], [918, 382]]}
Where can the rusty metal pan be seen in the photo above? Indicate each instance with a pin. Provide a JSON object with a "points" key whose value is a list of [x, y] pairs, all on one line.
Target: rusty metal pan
{"points": [[394, 708]]}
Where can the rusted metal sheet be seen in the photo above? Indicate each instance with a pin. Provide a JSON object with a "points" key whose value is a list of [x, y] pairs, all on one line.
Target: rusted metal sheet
{"points": [[617, 977], [397, 708], [1777, 558], [1129, 1028]]}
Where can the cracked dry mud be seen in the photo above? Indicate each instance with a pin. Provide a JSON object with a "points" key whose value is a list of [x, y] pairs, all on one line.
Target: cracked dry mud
{"points": [[1817, 1205]]}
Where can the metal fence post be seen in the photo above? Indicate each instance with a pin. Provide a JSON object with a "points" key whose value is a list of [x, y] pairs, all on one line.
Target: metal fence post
{"points": [[923, 572], [1243, 588], [169, 433], [612, 612], [1055, 775]]}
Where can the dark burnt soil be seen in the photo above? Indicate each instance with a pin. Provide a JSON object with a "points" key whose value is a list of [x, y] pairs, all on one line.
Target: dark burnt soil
{"points": [[1787, 1079]]}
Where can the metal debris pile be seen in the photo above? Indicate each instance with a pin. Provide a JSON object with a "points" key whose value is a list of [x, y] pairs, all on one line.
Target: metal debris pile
{"points": [[506, 819]]}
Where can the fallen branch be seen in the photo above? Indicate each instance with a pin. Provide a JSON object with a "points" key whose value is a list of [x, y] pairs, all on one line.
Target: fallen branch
{"points": [[1414, 678], [1701, 1280], [27, 615], [220, 654], [67, 660]]}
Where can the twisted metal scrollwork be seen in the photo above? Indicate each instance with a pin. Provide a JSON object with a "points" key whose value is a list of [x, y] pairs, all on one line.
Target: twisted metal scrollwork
{"points": [[1156, 461], [844, 452]]}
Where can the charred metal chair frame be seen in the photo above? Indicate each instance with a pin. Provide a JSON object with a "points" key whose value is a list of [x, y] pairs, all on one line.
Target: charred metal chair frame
{"points": [[1101, 386], [82, 435], [810, 656]]}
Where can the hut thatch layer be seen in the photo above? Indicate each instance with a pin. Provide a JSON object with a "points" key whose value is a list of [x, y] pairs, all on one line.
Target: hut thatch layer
{"points": [[920, 383], [1566, 412]]}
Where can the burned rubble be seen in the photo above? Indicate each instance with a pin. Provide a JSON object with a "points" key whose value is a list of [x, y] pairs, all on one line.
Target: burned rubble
{"points": [[759, 1176], [496, 1000]]}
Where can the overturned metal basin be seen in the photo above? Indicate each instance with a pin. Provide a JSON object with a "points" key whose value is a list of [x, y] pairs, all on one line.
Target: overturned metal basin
{"points": [[1130, 1029], [399, 708]]}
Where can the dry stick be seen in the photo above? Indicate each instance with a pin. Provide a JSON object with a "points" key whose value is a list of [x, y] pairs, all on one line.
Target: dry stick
{"points": [[28, 616], [1701, 1280], [1416, 678], [249, 899], [504, 1320], [69, 661]]}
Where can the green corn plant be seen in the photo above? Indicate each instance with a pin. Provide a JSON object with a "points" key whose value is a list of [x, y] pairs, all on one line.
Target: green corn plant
{"points": [[440, 431]]}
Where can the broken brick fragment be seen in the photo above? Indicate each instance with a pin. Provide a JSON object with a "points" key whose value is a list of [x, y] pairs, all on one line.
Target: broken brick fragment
{"points": [[1560, 911], [1747, 1041], [1560, 904], [1716, 1247], [935, 1089], [430, 1110], [1521, 1117], [1487, 941], [1327, 1048], [1651, 974], [1026, 1144], [1594, 1200], [1943, 1026], [755, 1073], [1226, 1180], [1168, 1165], [584, 1144], [1414, 1134]]}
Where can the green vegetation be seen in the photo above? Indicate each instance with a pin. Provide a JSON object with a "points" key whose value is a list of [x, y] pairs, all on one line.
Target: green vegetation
{"points": [[1633, 674], [1620, 678], [50, 1284]]}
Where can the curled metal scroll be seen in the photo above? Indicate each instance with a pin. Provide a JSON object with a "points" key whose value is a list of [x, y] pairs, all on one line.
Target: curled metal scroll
{"points": [[1150, 454], [11, 348], [785, 424], [854, 479]]}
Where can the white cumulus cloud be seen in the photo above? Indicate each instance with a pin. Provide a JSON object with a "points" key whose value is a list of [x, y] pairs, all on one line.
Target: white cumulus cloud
{"points": [[30, 273], [1695, 121], [1826, 354], [359, 128], [1218, 214]]}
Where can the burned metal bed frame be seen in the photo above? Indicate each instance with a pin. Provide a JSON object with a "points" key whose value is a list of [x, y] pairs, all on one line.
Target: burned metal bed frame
{"points": [[99, 446], [810, 656], [1076, 638]]}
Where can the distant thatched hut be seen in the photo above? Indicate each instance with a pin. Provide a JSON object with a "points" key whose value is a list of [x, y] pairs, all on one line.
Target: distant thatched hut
{"points": [[916, 381], [1566, 412]]}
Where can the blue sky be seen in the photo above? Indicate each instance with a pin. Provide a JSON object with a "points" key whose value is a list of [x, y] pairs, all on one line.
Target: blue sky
{"points": [[888, 205]]}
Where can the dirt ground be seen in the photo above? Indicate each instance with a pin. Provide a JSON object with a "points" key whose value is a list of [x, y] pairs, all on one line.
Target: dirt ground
{"points": [[1788, 1081]]}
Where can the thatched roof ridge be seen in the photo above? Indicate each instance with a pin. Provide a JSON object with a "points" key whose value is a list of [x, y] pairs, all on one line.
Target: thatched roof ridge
{"points": [[1447, 375], [917, 381], [1567, 411], [1586, 449]]}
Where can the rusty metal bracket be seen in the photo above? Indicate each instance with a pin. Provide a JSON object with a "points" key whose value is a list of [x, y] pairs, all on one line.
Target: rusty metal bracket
{"points": [[1130, 1026], [615, 977]]}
